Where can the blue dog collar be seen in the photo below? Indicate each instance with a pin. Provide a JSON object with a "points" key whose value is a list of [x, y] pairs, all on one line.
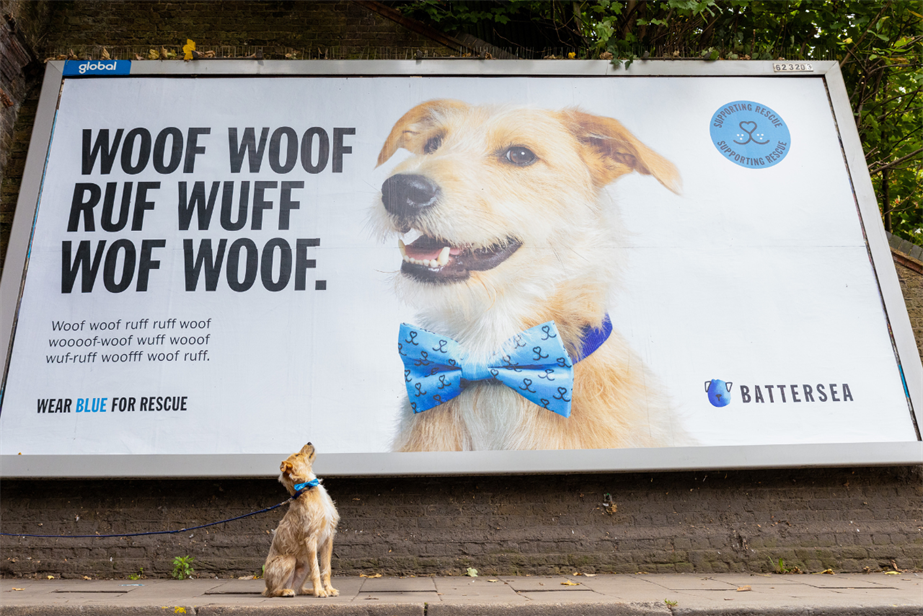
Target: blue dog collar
{"points": [[304, 487], [593, 338]]}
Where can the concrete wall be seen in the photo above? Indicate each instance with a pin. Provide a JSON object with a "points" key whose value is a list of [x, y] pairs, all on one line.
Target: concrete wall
{"points": [[844, 519]]}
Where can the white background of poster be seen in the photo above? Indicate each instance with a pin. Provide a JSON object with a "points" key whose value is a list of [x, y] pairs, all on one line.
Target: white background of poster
{"points": [[751, 276]]}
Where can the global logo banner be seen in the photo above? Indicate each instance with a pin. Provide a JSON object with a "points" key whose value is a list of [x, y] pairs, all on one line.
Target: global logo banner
{"points": [[80, 68]]}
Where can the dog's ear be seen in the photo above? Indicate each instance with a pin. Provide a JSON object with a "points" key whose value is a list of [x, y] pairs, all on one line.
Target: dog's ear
{"points": [[409, 130], [613, 151]]}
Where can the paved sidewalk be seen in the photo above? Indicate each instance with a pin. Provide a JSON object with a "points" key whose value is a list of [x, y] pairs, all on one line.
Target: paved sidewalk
{"points": [[734, 594]]}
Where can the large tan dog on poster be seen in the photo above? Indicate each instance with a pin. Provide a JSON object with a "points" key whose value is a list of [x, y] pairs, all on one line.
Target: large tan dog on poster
{"points": [[514, 229], [306, 531]]}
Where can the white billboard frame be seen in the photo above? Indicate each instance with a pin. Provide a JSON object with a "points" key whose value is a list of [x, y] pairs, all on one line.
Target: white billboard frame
{"points": [[480, 462]]}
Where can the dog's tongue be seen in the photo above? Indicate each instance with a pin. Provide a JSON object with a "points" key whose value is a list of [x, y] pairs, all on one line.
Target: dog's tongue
{"points": [[428, 248], [423, 248]]}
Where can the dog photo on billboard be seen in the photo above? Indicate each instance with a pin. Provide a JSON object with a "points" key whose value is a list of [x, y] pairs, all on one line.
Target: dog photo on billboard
{"points": [[511, 254]]}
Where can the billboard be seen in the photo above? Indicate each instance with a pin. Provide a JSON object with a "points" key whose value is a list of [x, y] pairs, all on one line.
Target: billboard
{"points": [[421, 268]]}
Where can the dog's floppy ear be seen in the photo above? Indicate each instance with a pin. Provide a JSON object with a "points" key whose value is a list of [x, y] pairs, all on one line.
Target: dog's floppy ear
{"points": [[408, 129], [613, 151]]}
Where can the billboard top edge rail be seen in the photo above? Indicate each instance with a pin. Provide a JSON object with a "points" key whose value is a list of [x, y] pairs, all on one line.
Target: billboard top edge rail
{"points": [[460, 66]]}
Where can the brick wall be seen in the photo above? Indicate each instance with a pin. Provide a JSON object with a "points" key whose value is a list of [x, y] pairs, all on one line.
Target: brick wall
{"points": [[16, 164], [715, 521], [910, 273], [22, 27], [346, 30]]}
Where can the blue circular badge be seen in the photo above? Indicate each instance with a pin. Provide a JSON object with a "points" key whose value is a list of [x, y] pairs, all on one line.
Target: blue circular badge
{"points": [[750, 135]]}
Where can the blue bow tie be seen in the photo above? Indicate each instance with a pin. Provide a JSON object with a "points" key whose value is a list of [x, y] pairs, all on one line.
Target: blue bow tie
{"points": [[304, 487], [534, 364]]}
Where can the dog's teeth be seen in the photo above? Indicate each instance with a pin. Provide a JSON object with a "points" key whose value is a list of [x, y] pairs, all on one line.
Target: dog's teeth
{"points": [[433, 263], [400, 244], [443, 257]]}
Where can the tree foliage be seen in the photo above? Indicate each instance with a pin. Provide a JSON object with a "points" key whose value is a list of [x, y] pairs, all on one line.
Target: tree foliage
{"points": [[878, 44]]}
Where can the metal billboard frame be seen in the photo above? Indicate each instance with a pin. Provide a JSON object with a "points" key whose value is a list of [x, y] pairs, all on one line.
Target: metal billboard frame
{"points": [[477, 462]]}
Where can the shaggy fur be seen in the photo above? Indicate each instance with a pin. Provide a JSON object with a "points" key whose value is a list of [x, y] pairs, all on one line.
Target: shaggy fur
{"points": [[564, 270], [306, 530]]}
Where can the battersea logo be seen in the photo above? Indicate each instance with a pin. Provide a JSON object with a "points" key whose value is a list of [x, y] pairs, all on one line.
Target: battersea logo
{"points": [[96, 67], [793, 394], [719, 392]]}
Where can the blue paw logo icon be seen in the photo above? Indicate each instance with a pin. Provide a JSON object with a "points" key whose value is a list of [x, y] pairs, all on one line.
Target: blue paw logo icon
{"points": [[719, 392]]}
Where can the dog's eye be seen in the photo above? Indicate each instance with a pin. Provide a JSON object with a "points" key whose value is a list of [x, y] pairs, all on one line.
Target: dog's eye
{"points": [[432, 144], [520, 156]]}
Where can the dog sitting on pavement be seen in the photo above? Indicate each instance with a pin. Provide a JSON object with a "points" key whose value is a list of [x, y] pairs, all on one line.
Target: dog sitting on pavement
{"points": [[512, 230], [306, 530]]}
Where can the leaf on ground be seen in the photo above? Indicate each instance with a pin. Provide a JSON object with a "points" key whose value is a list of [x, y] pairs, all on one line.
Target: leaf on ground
{"points": [[50, 577], [14, 588], [472, 572], [886, 573], [589, 574], [743, 588], [493, 580], [377, 575], [86, 577], [569, 583]]}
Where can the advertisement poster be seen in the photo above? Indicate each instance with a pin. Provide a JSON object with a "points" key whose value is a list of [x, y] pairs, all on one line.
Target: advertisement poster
{"points": [[390, 264]]}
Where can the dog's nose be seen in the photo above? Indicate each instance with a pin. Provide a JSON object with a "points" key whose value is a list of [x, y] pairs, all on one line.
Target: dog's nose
{"points": [[408, 195]]}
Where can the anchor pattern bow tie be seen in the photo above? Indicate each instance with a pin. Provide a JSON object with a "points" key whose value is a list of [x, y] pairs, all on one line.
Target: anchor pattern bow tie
{"points": [[534, 364]]}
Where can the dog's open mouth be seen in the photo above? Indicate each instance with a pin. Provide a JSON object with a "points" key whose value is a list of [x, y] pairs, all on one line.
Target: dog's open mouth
{"points": [[430, 259]]}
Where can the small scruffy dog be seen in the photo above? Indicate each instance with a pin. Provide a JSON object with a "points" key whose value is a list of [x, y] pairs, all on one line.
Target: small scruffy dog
{"points": [[306, 530]]}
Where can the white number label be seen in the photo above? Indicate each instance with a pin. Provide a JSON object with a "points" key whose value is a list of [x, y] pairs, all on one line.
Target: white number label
{"points": [[792, 67]]}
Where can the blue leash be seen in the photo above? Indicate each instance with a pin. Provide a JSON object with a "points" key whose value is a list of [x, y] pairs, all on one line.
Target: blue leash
{"points": [[301, 489]]}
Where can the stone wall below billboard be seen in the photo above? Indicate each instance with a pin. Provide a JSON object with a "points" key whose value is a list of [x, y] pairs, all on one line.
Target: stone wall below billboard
{"points": [[847, 520]]}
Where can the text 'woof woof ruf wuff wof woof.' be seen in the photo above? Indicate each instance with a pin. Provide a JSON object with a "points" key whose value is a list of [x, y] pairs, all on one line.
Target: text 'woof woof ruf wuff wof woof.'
{"points": [[242, 205]]}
